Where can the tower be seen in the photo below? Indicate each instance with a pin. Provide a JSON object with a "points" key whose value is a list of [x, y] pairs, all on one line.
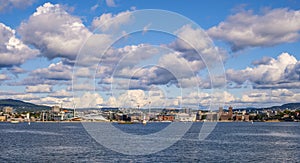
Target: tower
{"points": [[230, 113]]}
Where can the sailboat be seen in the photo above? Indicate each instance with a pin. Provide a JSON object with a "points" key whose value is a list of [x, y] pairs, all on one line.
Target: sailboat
{"points": [[144, 121], [28, 118]]}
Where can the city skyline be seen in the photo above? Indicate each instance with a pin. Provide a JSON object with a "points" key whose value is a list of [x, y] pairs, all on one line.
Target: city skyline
{"points": [[257, 42]]}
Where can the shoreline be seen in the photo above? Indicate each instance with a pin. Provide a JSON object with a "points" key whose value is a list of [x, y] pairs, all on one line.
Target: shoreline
{"points": [[270, 121]]}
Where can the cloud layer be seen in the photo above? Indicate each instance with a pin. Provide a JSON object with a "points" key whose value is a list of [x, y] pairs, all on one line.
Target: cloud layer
{"points": [[6, 5], [280, 72], [246, 29], [171, 72], [56, 32], [13, 52]]}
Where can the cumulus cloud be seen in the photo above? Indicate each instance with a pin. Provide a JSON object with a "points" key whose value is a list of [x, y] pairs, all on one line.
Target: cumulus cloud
{"points": [[246, 29], [55, 71], [61, 94], [179, 66], [198, 47], [13, 52], [93, 8], [128, 63], [16, 70], [264, 61], [88, 99], [110, 3], [54, 31], [109, 21], [280, 71], [3, 77], [139, 98], [272, 96], [199, 53], [205, 99], [39, 89], [164, 67], [6, 5]]}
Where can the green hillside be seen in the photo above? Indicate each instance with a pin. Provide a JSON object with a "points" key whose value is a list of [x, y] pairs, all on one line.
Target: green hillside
{"points": [[20, 106]]}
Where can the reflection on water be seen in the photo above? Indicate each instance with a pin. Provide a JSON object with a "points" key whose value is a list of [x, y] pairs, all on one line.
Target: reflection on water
{"points": [[229, 142]]}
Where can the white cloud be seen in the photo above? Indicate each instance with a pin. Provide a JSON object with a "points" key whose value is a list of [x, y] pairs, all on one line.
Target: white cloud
{"points": [[55, 71], [24, 96], [16, 70], [13, 52], [111, 22], [271, 96], [133, 98], [246, 29], [61, 94], [194, 81], [205, 99], [6, 5], [110, 3], [43, 88], [197, 41], [54, 31], [143, 99], [199, 53], [3, 77], [90, 53], [111, 102], [83, 72], [93, 8], [85, 86], [283, 70], [18, 96], [88, 99], [179, 66]]}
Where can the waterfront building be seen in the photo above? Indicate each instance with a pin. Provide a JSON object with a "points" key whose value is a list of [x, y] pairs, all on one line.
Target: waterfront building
{"points": [[230, 113], [199, 115], [220, 112], [211, 116], [8, 109], [238, 117], [166, 117], [246, 118], [2, 118], [224, 117], [187, 110], [185, 117], [55, 109]]}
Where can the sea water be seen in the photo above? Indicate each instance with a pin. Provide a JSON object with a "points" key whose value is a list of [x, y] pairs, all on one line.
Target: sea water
{"points": [[228, 142]]}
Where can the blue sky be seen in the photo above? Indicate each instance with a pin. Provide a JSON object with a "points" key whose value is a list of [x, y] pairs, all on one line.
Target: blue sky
{"points": [[53, 52]]}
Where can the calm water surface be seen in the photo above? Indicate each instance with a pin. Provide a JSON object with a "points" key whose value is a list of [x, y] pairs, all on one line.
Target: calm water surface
{"points": [[229, 142]]}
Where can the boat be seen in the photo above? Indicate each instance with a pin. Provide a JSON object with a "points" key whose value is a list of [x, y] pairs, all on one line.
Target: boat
{"points": [[125, 122], [14, 121], [166, 121], [76, 119], [144, 122]]}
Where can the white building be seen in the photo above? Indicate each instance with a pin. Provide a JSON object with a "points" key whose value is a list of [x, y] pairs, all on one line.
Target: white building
{"points": [[184, 117]]}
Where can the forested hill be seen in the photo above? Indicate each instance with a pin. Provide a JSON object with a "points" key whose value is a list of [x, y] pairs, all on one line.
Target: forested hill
{"points": [[20, 106]]}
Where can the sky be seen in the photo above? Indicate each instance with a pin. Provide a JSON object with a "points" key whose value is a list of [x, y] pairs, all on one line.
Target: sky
{"points": [[182, 54]]}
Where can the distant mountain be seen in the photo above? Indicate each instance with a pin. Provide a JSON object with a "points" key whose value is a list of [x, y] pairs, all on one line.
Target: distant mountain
{"points": [[20, 106], [291, 106]]}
